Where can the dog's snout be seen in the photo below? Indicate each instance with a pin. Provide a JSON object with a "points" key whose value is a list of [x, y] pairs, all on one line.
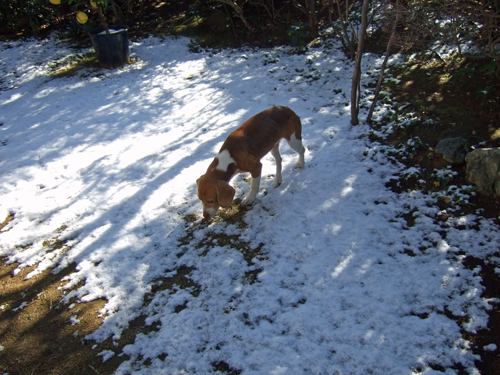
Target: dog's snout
{"points": [[209, 212]]}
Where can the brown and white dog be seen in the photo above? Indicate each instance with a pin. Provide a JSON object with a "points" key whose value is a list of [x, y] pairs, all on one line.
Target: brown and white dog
{"points": [[242, 152]]}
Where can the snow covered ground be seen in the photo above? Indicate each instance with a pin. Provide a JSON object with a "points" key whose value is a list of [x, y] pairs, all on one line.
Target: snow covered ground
{"points": [[323, 276]]}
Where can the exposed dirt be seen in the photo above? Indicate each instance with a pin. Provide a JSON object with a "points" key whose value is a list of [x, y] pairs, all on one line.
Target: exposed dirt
{"points": [[39, 338], [453, 95]]}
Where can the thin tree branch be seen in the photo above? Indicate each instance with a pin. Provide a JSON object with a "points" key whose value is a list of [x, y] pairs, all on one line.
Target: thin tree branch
{"points": [[387, 54]]}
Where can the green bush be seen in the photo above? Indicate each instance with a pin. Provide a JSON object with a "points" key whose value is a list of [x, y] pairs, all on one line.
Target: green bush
{"points": [[299, 34], [27, 16]]}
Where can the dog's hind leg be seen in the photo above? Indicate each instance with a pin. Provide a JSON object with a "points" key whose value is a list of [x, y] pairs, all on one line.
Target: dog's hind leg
{"points": [[277, 157], [296, 145]]}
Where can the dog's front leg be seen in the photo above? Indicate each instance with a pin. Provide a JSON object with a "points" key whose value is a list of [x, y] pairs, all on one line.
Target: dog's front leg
{"points": [[254, 189]]}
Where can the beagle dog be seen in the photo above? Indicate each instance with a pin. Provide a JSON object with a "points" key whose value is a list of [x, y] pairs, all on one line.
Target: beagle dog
{"points": [[242, 152]]}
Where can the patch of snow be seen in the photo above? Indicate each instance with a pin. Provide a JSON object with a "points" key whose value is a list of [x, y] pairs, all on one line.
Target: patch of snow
{"points": [[21, 306], [490, 347], [108, 163], [106, 354]]}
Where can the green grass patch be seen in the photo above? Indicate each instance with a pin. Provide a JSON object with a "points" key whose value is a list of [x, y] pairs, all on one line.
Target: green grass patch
{"points": [[74, 65]]}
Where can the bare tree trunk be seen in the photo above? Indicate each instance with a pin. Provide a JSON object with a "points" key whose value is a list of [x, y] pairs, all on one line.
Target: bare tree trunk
{"points": [[103, 20], [387, 54], [356, 79], [238, 10], [313, 18], [310, 11], [346, 40], [272, 15], [119, 18]]}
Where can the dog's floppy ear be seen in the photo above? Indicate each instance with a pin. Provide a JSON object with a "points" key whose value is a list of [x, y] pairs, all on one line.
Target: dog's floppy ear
{"points": [[225, 193]]}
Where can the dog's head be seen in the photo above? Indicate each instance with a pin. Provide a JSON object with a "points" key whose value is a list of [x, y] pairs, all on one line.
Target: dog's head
{"points": [[214, 193]]}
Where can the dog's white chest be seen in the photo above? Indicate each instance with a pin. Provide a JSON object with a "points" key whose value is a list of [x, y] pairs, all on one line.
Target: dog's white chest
{"points": [[225, 159]]}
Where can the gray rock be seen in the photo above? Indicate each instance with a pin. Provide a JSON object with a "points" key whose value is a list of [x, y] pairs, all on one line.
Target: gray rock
{"points": [[483, 170], [453, 150]]}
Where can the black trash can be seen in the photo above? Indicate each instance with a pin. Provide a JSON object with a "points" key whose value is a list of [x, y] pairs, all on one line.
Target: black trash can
{"points": [[111, 49]]}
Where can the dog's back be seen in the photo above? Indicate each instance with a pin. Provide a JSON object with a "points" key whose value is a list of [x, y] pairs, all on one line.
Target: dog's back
{"points": [[259, 134]]}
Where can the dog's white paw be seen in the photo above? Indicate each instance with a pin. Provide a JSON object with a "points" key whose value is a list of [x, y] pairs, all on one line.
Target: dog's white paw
{"points": [[277, 181], [247, 201], [299, 165]]}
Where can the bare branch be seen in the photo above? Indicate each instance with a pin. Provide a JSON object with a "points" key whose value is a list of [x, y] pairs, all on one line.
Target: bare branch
{"points": [[397, 10], [238, 10]]}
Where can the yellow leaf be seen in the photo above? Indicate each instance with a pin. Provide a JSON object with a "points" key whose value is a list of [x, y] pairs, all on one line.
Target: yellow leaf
{"points": [[82, 17], [437, 184], [55, 2], [447, 200], [93, 4]]}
